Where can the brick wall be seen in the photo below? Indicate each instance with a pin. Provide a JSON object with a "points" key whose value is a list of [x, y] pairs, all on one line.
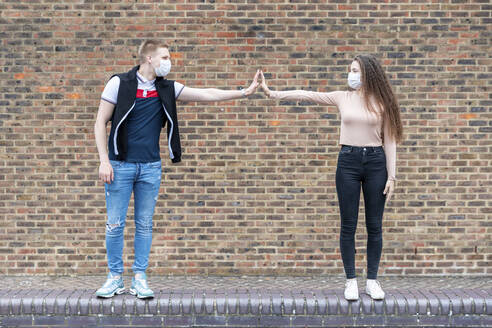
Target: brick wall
{"points": [[255, 192]]}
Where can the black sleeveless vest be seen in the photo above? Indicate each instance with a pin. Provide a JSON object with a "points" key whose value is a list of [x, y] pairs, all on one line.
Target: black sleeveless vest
{"points": [[127, 95]]}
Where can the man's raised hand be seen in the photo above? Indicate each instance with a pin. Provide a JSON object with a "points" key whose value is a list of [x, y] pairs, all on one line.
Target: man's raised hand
{"points": [[252, 88]]}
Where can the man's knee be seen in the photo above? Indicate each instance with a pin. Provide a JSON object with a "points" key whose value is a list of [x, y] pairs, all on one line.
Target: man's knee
{"points": [[114, 225]]}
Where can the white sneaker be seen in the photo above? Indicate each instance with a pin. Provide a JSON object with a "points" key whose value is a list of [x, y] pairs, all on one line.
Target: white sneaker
{"points": [[373, 288], [351, 292]]}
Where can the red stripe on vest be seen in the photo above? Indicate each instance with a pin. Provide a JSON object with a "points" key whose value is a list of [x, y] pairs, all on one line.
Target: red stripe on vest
{"points": [[140, 93]]}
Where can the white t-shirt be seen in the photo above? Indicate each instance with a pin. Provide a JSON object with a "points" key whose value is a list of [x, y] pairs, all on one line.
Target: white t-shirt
{"points": [[110, 92]]}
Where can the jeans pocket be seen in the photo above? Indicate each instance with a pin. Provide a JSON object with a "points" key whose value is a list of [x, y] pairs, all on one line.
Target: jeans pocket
{"points": [[155, 165], [377, 157], [375, 154], [346, 149]]}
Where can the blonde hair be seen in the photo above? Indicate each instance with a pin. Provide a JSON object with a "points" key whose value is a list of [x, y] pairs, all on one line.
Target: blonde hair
{"points": [[148, 47]]}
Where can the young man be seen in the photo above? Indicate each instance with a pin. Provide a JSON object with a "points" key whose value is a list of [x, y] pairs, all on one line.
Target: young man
{"points": [[139, 103]]}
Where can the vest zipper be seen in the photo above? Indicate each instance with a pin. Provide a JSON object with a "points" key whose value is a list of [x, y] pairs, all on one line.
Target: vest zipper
{"points": [[116, 130], [171, 133]]}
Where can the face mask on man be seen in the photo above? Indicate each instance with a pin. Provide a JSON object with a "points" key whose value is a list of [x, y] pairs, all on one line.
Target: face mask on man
{"points": [[164, 68], [354, 80]]}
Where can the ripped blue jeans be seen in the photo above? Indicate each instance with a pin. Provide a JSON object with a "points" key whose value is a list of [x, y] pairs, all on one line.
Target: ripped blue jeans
{"points": [[143, 179]]}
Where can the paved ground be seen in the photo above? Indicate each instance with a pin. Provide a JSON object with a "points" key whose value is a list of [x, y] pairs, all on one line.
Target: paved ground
{"points": [[256, 282]]}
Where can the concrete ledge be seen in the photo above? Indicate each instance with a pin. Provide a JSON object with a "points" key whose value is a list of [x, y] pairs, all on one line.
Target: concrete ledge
{"points": [[247, 308]]}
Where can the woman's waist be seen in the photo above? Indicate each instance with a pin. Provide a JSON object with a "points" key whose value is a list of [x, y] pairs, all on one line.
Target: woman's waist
{"points": [[369, 140], [369, 149]]}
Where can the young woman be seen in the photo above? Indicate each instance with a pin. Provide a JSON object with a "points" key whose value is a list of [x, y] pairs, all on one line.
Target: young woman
{"points": [[370, 118]]}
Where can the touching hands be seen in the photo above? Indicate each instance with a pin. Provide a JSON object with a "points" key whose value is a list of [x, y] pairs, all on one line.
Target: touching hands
{"points": [[254, 85]]}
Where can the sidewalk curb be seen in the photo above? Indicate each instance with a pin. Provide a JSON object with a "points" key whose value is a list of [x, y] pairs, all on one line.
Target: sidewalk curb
{"points": [[247, 307]]}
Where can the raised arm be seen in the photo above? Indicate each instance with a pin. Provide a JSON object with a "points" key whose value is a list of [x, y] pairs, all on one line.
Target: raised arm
{"points": [[322, 98], [213, 94]]}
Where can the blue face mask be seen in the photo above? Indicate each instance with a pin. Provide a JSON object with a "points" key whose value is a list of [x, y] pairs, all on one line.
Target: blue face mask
{"points": [[354, 80]]}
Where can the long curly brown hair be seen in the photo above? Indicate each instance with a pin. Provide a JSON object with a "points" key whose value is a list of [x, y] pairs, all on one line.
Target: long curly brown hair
{"points": [[376, 84]]}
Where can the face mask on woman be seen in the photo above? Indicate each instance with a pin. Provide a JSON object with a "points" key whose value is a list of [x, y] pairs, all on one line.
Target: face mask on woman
{"points": [[354, 80], [164, 68]]}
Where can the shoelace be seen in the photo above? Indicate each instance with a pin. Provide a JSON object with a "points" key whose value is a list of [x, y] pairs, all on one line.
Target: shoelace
{"points": [[110, 282], [348, 283], [143, 283], [377, 283], [378, 287]]}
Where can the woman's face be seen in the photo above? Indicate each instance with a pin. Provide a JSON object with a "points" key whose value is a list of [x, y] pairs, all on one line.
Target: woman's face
{"points": [[355, 67], [354, 76]]}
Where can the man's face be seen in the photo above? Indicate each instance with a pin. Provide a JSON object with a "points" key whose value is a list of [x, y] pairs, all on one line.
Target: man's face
{"points": [[159, 54]]}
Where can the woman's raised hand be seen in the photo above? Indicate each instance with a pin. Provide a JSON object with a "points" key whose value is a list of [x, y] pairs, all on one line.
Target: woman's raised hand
{"points": [[264, 86]]}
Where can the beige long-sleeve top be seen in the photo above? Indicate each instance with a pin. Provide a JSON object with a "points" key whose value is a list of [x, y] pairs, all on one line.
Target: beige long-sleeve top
{"points": [[360, 127]]}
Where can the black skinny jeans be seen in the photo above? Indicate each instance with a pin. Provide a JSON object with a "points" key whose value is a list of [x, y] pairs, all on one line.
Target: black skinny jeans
{"points": [[356, 166]]}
